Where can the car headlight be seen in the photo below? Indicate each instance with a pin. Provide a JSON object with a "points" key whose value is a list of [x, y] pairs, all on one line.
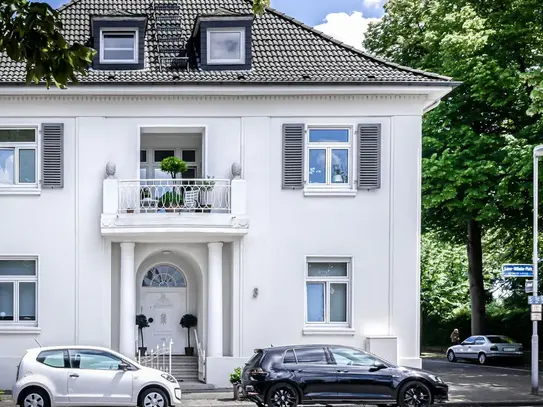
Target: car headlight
{"points": [[169, 377], [436, 379]]}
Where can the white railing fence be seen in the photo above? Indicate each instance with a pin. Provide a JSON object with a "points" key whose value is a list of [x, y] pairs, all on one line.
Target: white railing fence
{"points": [[174, 195], [201, 357], [158, 358]]}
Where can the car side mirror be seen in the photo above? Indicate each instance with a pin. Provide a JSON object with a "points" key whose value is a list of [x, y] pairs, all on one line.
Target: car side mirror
{"points": [[124, 366], [377, 366]]}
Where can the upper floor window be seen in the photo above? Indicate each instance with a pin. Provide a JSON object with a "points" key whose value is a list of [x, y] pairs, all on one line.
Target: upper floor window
{"points": [[329, 157], [18, 157], [119, 46], [225, 46], [18, 291]]}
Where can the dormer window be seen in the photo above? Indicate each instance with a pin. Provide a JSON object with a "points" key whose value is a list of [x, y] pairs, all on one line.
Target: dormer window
{"points": [[119, 47], [119, 41], [223, 41], [225, 46]]}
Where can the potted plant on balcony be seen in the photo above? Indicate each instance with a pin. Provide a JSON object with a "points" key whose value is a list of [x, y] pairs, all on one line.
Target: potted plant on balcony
{"points": [[189, 321], [171, 201], [173, 166], [142, 323], [206, 194]]}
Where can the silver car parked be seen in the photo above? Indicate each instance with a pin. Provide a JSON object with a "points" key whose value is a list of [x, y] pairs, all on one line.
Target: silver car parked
{"points": [[482, 348]]}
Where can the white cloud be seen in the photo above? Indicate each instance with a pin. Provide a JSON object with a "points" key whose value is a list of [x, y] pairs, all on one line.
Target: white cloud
{"points": [[347, 28], [372, 3]]}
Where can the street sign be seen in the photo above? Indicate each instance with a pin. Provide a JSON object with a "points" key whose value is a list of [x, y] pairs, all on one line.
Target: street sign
{"points": [[536, 316], [537, 308], [535, 300], [518, 270], [529, 286]]}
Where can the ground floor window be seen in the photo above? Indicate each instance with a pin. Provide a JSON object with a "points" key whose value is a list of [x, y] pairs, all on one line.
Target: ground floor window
{"points": [[18, 291], [328, 291]]}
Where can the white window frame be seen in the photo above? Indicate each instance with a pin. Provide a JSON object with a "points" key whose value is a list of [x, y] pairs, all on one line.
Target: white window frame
{"points": [[15, 324], [237, 30], [345, 326], [329, 187], [17, 186], [119, 31]]}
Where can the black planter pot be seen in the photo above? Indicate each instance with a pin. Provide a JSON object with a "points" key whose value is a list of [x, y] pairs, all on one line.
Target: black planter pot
{"points": [[143, 350], [189, 351]]}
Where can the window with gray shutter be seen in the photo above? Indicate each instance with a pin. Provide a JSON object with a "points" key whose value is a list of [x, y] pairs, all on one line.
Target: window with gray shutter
{"points": [[52, 155], [369, 156], [293, 156]]}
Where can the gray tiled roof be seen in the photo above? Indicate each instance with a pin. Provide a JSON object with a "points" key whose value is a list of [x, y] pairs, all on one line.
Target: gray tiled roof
{"points": [[284, 49]]}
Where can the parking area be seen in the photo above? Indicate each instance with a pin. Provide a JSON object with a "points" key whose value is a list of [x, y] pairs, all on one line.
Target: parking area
{"points": [[474, 383]]}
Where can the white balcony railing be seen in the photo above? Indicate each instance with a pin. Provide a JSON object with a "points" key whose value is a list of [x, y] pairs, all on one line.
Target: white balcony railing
{"points": [[174, 196]]}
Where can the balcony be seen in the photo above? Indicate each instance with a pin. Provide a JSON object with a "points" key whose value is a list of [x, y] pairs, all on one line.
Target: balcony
{"points": [[173, 208]]}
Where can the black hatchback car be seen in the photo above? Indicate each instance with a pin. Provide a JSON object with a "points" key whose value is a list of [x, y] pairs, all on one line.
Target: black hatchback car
{"points": [[328, 374]]}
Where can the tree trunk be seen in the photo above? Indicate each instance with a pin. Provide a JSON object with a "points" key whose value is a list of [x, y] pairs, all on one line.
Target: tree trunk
{"points": [[476, 282]]}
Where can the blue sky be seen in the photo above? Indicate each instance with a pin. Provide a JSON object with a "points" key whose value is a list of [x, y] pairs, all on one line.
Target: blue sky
{"points": [[345, 20]]}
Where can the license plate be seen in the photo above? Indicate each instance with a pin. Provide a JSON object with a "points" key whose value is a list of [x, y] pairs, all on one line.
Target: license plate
{"points": [[509, 349]]}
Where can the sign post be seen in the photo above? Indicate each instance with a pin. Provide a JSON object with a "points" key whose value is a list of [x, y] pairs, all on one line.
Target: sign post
{"points": [[538, 151]]}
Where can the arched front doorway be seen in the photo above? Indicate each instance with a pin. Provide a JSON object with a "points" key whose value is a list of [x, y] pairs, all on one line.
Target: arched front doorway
{"points": [[163, 300]]}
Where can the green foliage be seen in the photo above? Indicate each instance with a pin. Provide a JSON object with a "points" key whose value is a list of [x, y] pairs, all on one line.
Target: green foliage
{"points": [[31, 33], [173, 166], [171, 199], [235, 377], [259, 6], [477, 143]]}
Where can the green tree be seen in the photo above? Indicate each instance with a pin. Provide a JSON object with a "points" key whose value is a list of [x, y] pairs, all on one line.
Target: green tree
{"points": [[477, 142], [31, 33]]}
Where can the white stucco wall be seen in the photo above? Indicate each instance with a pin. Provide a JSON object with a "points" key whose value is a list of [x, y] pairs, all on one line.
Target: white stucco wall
{"points": [[79, 270]]}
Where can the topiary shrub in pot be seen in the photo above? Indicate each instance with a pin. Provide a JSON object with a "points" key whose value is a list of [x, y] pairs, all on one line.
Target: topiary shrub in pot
{"points": [[142, 323], [189, 321]]}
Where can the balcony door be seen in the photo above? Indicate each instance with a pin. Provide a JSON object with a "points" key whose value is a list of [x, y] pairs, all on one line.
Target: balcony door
{"points": [[150, 159]]}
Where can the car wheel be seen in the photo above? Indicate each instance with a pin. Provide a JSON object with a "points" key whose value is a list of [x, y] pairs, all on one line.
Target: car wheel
{"points": [[153, 397], [451, 357], [34, 397], [481, 358], [414, 394], [282, 395]]}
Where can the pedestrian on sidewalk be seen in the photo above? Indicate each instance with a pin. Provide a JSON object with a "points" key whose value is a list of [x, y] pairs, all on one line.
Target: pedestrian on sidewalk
{"points": [[455, 337]]}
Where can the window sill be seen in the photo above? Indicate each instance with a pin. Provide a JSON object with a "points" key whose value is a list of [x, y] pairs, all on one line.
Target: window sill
{"points": [[328, 331], [19, 191], [13, 329], [329, 192]]}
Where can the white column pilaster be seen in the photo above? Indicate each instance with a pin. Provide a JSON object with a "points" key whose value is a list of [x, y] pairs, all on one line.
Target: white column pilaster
{"points": [[128, 301], [214, 298]]}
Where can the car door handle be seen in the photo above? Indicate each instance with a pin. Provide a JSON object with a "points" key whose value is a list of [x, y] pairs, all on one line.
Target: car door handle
{"points": [[297, 371], [342, 371], [74, 375]]}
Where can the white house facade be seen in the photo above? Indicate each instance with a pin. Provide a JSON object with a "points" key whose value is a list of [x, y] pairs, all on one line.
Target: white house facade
{"points": [[297, 219]]}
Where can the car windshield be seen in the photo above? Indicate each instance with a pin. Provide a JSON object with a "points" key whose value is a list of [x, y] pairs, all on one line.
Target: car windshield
{"points": [[500, 339]]}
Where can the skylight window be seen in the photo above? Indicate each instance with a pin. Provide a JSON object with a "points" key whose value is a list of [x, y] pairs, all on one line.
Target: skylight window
{"points": [[119, 47], [225, 46]]}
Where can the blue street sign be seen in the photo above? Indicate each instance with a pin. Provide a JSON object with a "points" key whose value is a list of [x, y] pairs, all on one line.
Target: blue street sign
{"points": [[518, 270], [535, 300]]}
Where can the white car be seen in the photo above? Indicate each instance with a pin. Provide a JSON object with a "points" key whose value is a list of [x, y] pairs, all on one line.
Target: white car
{"points": [[90, 376]]}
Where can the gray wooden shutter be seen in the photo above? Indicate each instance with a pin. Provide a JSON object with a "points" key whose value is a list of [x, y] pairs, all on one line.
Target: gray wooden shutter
{"points": [[369, 156], [52, 163], [293, 156]]}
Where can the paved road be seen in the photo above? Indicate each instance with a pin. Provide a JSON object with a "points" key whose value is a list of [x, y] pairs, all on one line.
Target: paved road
{"points": [[471, 382]]}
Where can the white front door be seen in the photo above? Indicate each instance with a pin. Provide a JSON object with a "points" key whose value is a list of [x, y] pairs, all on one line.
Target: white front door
{"points": [[96, 377], [164, 307]]}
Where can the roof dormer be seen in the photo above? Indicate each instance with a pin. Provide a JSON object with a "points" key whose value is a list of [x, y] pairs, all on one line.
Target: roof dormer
{"points": [[119, 41], [224, 40]]}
